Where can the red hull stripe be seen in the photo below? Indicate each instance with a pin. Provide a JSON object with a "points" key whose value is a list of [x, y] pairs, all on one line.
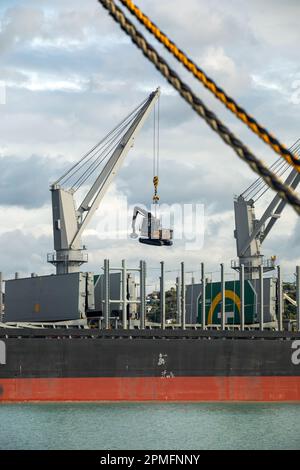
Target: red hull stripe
{"points": [[151, 389]]}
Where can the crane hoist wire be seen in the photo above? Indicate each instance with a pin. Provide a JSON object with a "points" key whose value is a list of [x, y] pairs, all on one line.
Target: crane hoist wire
{"points": [[285, 168], [78, 165], [294, 148], [265, 188], [102, 152], [107, 149], [218, 92], [156, 125], [279, 167], [259, 182], [103, 149], [283, 190], [81, 171]]}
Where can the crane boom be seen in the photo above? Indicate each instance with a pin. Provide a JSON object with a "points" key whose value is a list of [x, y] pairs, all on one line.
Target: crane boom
{"points": [[69, 223]]}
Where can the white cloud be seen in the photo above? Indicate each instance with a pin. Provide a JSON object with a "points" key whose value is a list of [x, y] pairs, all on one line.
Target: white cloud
{"points": [[33, 222], [34, 81]]}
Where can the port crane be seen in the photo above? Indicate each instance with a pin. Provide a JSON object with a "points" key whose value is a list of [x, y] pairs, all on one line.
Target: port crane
{"points": [[70, 222], [250, 232]]}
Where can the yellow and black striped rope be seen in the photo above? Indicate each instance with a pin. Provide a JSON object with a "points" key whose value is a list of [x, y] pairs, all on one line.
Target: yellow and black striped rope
{"points": [[220, 94], [284, 191]]}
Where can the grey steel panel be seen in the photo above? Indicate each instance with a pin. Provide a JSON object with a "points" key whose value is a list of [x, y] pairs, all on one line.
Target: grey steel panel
{"points": [[46, 298]]}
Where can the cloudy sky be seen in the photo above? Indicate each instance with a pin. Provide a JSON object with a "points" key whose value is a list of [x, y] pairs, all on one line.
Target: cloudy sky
{"points": [[71, 75]]}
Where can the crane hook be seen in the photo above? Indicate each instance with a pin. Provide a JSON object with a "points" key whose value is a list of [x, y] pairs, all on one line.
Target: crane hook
{"points": [[155, 183]]}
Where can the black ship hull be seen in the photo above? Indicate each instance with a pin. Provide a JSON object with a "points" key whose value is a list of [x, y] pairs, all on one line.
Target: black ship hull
{"points": [[174, 365]]}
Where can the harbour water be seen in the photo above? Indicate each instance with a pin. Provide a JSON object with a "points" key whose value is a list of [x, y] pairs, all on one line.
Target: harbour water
{"points": [[150, 426]]}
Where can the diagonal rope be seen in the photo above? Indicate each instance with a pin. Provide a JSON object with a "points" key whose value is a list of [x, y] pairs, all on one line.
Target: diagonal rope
{"points": [[210, 118], [220, 94]]}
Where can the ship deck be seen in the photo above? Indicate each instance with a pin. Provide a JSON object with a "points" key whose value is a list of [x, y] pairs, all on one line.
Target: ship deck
{"points": [[168, 333]]}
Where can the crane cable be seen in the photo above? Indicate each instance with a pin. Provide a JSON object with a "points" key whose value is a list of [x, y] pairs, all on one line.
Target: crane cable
{"points": [[78, 165], [258, 194], [294, 148], [220, 94], [92, 159], [194, 101], [259, 182], [155, 197], [105, 152], [276, 167], [108, 149]]}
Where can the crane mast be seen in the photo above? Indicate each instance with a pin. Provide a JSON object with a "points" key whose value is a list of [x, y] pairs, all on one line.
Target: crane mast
{"points": [[70, 222]]}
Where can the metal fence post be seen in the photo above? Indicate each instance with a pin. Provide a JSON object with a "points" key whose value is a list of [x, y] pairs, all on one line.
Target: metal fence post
{"points": [[145, 291], [222, 298], [142, 294], [106, 295], [178, 302], [182, 296], [203, 291], [261, 298], [242, 297], [124, 295], [280, 299], [191, 317], [162, 296]]}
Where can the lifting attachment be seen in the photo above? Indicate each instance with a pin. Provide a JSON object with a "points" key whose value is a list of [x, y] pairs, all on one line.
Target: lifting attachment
{"points": [[151, 230]]}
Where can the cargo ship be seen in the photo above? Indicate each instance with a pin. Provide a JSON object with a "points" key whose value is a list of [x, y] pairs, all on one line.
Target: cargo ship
{"points": [[70, 336], [150, 365]]}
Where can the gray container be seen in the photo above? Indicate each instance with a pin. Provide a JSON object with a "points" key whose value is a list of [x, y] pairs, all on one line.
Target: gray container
{"points": [[49, 298]]}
